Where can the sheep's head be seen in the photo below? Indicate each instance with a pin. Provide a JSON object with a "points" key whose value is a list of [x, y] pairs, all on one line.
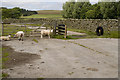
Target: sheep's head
{"points": [[15, 35], [52, 30], [9, 35]]}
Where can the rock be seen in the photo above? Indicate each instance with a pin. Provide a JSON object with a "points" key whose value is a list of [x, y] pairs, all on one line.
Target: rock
{"points": [[42, 62], [21, 50], [83, 67], [30, 65], [92, 69], [98, 62], [84, 73], [11, 69], [38, 67], [74, 68]]}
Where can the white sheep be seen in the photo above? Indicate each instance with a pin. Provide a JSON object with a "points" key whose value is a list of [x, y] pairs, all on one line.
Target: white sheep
{"points": [[5, 38], [20, 35], [46, 32]]}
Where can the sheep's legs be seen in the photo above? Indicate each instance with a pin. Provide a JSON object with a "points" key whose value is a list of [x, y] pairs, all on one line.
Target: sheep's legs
{"points": [[19, 38], [41, 36], [22, 38], [49, 36]]}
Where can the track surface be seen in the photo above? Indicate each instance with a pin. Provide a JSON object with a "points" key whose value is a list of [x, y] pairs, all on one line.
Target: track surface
{"points": [[81, 58]]}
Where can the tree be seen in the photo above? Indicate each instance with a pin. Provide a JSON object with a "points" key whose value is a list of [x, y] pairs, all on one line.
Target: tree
{"points": [[90, 14], [15, 12], [5, 13], [82, 10], [85, 7], [118, 9], [68, 8], [98, 14], [76, 11], [109, 10]]}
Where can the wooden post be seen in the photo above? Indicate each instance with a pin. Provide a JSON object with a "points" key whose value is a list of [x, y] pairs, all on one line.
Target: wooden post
{"points": [[2, 28], [54, 28], [46, 27], [25, 29], [65, 32]]}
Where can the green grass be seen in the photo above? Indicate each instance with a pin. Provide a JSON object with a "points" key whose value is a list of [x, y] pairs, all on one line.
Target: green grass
{"points": [[35, 40], [0, 57], [33, 24], [43, 16], [40, 78], [84, 46], [76, 30], [4, 55], [62, 37], [70, 73], [4, 58], [49, 12], [46, 14], [112, 34], [12, 29], [0, 29], [38, 25], [4, 75]]}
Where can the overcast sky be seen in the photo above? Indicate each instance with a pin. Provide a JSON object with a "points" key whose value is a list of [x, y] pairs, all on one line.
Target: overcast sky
{"points": [[37, 4]]}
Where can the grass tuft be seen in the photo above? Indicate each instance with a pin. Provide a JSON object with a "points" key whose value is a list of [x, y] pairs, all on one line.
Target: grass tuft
{"points": [[12, 29], [35, 40], [111, 34], [5, 75], [62, 37]]}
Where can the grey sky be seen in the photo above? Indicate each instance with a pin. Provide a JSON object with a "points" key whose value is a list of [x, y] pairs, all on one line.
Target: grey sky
{"points": [[37, 4]]}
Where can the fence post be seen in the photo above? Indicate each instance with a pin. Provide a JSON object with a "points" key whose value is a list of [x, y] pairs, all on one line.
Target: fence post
{"points": [[2, 29], [25, 30], [65, 32], [54, 28], [46, 27]]}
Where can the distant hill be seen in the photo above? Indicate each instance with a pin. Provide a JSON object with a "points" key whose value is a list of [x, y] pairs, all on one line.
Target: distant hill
{"points": [[46, 14], [49, 11]]}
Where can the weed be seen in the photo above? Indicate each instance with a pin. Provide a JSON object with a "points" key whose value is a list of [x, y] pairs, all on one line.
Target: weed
{"points": [[85, 47], [111, 34], [46, 48], [5, 54], [4, 75], [70, 73], [35, 40], [40, 78], [62, 37], [12, 29]]}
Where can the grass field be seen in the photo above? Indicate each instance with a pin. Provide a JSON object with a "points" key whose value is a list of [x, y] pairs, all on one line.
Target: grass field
{"points": [[49, 12], [112, 34], [12, 29], [0, 29], [46, 14]]}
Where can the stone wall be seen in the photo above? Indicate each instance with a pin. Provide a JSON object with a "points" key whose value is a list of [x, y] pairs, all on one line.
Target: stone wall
{"points": [[84, 24]]}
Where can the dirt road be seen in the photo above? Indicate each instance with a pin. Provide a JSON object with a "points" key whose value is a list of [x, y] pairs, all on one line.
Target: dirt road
{"points": [[81, 58]]}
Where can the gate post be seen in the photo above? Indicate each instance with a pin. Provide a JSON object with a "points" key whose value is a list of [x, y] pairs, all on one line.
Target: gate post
{"points": [[25, 30], [54, 29], [65, 32], [2, 29]]}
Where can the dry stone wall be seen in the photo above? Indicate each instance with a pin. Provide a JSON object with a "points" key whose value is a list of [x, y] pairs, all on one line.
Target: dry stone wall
{"points": [[84, 24]]}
